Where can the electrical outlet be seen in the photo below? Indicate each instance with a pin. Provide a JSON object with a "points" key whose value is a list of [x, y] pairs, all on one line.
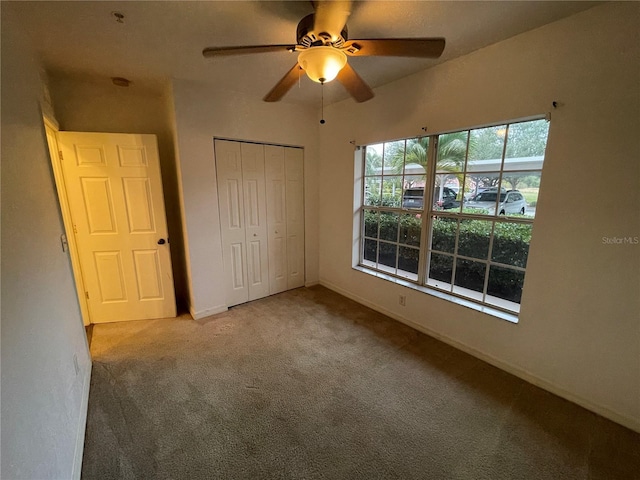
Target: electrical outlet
{"points": [[402, 300], [75, 363]]}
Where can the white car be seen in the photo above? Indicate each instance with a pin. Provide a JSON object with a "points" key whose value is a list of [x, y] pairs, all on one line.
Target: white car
{"points": [[510, 202]]}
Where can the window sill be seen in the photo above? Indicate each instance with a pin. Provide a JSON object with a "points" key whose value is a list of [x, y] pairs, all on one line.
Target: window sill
{"points": [[494, 312]]}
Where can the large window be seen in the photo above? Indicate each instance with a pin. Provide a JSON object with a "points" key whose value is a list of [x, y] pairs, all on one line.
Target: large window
{"points": [[471, 239]]}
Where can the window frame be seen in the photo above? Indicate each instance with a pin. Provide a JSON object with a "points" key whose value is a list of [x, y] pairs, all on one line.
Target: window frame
{"points": [[429, 213]]}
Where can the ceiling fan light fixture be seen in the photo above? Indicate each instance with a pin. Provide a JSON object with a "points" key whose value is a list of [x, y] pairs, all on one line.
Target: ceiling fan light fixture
{"points": [[323, 63]]}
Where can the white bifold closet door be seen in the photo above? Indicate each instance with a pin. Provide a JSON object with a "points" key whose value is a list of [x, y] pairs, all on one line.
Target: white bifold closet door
{"points": [[260, 194]]}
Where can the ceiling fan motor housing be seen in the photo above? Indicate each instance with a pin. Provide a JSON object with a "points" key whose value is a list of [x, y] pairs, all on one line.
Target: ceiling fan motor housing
{"points": [[307, 37]]}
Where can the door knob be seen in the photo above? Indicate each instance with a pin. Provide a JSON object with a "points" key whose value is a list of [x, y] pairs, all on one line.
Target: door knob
{"points": [[162, 241]]}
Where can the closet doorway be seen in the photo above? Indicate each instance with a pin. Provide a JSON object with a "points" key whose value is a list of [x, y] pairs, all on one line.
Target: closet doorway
{"points": [[261, 202]]}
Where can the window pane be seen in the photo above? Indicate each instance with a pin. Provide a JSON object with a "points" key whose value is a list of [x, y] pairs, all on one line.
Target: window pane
{"points": [[370, 253], [373, 160], [440, 271], [470, 186], [413, 197], [445, 198], [527, 138], [414, 176], [485, 149], [410, 229], [443, 234], [511, 243], [416, 158], [473, 238], [513, 204], [389, 226], [486, 194], [370, 218], [372, 188], [387, 254], [408, 262], [505, 283], [528, 185], [452, 151], [393, 157], [470, 276], [392, 191]]}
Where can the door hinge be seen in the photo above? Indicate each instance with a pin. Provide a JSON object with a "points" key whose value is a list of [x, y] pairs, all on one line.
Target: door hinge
{"points": [[75, 229], [60, 155], [86, 294]]}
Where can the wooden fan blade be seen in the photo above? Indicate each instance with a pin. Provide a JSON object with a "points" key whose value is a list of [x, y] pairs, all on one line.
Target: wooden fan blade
{"points": [[284, 85], [396, 47], [244, 50], [331, 17], [355, 85]]}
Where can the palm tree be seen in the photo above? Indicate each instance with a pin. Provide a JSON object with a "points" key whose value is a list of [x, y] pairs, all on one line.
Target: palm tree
{"points": [[417, 150], [402, 154], [372, 163], [452, 151]]}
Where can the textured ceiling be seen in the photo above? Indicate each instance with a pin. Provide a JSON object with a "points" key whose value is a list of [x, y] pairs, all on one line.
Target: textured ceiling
{"points": [[162, 39]]}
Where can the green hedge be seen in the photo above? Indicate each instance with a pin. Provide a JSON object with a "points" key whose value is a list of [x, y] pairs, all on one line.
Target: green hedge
{"points": [[510, 247]]}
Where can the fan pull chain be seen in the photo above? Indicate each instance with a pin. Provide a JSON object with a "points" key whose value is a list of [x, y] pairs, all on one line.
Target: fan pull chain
{"points": [[322, 105]]}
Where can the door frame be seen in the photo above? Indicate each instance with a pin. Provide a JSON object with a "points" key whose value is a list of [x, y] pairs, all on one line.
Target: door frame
{"points": [[51, 125]]}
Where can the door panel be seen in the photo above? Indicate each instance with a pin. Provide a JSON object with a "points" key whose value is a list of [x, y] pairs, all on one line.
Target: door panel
{"points": [[98, 205], [148, 271], [231, 199], [276, 218], [89, 155], [137, 196], [234, 203], [115, 197], [294, 172], [237, 264], [252, 207], [111, 280], [255, 214], [132, 156]]}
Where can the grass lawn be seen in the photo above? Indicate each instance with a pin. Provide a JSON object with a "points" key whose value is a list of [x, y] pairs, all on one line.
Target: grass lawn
{"points": [[530, 195]]}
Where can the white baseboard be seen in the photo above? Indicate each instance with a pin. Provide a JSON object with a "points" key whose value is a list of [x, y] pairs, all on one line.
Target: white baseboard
{"points": [[82, 424], [624, 420], [207, 312], [311, 284]]}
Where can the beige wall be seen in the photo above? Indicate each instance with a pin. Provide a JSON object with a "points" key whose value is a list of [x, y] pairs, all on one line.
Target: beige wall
{"points": [[44, 400], [87, 104], [579, 330], [202, 113]]}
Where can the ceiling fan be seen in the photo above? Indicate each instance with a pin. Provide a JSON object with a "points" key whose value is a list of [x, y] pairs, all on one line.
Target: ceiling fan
{"points": [[323, 47]]}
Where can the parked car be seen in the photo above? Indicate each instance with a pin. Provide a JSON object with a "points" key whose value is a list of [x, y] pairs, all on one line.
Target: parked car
{"points": [[414, 198], [510, 202]]}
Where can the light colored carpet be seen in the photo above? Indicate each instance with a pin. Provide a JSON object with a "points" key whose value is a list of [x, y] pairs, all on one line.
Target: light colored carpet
{"points": [[310, 385]]}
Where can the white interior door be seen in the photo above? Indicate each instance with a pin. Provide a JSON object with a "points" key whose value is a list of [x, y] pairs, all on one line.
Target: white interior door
{"points": [[255, 215], [232, 223], [276, 217], [114, 191], [261, 200], [294, 174]]}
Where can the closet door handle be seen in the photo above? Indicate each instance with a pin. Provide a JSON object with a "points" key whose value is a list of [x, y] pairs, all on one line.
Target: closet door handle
{"points": [[162, 241]]}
